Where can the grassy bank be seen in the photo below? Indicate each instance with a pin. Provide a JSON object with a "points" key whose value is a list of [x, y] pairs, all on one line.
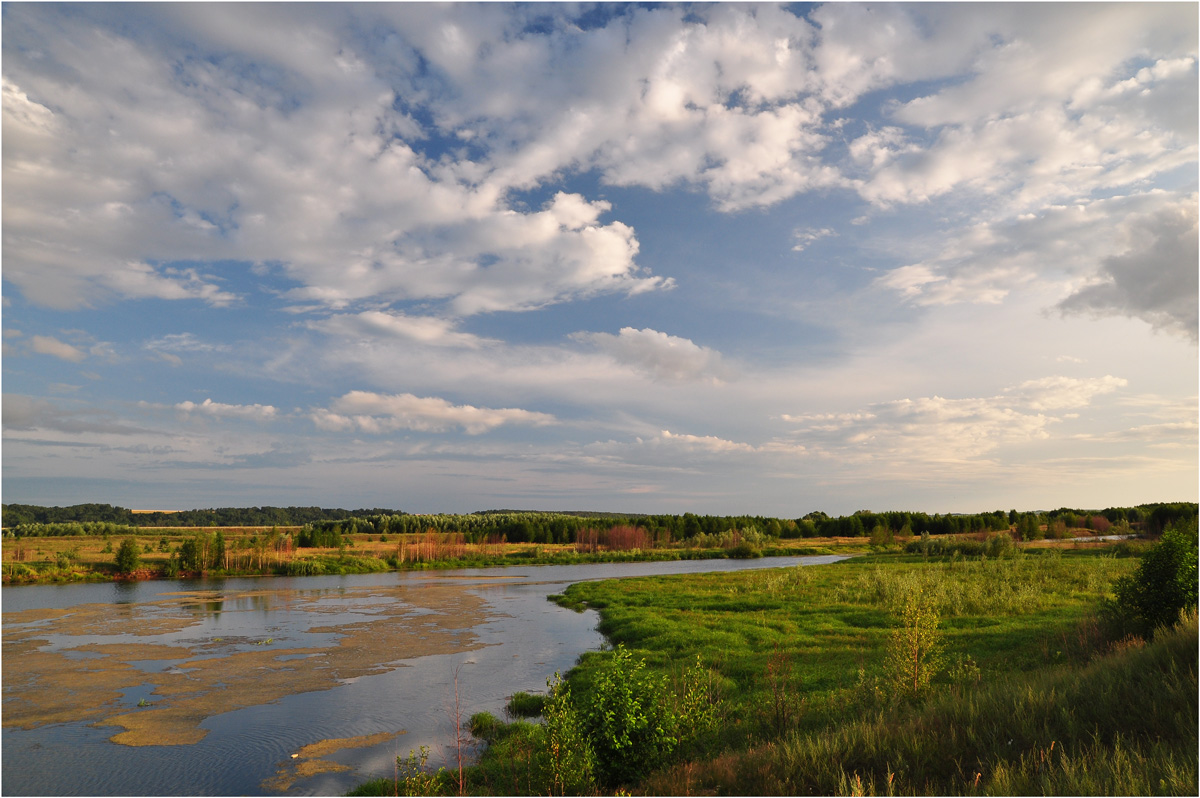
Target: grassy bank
{"points": [[1021, 691], [256, 551]]}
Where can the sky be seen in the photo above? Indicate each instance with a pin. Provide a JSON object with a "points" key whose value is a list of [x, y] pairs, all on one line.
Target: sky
{"points": [[719, 258]]}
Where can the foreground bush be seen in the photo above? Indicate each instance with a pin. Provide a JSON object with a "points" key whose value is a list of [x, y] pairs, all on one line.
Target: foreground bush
{"points": [[1163, 586]]}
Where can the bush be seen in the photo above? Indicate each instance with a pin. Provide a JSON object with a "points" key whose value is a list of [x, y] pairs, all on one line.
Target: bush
{"points": [[914, 653], [743, 551], [568, 759], [1164, 584], [628, 720], [128, 556]]}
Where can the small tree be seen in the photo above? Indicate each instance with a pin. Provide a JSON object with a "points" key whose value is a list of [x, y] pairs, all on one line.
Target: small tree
{"points": [[568, 760], [1164, 584], [128, 556], [629, 720], [914, 653]]}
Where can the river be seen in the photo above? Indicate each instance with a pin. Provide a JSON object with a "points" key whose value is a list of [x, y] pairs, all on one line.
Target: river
{"points": [[278, 686]]}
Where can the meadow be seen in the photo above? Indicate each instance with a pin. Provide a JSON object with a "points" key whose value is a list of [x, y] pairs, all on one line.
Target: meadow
{"points": [[251, 551], [892, 673]]}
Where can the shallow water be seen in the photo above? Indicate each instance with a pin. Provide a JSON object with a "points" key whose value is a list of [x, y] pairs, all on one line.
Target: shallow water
{"points": [[240, 674]]}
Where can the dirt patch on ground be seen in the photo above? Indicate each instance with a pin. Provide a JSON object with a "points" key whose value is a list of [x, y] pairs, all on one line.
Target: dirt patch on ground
{"points": [[42, 684]]}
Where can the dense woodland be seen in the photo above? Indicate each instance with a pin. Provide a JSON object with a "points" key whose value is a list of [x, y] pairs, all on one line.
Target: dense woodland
{"points": [[325, 527], [19, 514]]}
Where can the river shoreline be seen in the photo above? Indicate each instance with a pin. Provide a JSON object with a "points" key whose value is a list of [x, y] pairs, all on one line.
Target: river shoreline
{"points": [[330, 563]]}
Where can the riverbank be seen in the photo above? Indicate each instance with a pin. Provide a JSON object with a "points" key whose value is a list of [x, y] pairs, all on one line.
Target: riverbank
{"points": [[86, 558], [1020, 691]]}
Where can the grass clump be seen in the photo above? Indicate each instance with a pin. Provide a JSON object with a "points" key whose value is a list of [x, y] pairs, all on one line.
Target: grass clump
{"points": [[525, 705]]}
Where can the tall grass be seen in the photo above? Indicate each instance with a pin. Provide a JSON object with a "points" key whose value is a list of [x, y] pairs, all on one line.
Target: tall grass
{"points": [[1025, 698], [1124, 725]]}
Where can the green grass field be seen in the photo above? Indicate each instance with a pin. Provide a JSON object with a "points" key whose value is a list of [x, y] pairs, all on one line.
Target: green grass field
{"points": [[1026, 695]]}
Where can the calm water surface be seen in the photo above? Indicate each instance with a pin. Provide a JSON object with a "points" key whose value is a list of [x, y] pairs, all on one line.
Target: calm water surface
{"points": [[516, 642]]}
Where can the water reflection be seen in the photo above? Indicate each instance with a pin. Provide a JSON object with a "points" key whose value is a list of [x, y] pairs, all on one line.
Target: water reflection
{"points": [[126, 592]]}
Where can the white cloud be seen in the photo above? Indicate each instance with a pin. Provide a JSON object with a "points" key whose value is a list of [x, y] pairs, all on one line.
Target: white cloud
{"points": [[703, 443], [46, 345], [662, 356], [169, 347], [1153, 277], [1060, 393], [426, 330], [932, 430], [208, 407], [806, 236], [382, 413], [297, 146], [27, 413]]}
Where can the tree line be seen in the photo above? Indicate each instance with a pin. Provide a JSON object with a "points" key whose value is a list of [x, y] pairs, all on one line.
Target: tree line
{"points": [[17, 514], [325, 528]]}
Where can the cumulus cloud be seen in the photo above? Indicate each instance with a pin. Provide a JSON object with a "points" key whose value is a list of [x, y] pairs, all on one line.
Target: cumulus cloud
{"points": [[1155, 277], [47, 345], [372, 324], [383, 169], [175, 158], [661, 355], [1037, 119], [213, 409], [1061, 393], [381, 413], [936, 429]]}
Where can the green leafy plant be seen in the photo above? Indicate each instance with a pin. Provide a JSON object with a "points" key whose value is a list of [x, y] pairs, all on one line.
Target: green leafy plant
{"points": [[128, 556], [628, 719], [414, 778], [569, 762], [1164, 584], [914, 652]]}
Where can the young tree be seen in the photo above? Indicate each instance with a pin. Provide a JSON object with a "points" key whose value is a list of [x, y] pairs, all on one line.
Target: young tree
{"points": [[629, 720], [914, 654], [128, 556]]}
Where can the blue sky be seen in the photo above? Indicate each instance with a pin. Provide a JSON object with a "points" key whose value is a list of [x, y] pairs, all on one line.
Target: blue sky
{"points": [[722, 259]]}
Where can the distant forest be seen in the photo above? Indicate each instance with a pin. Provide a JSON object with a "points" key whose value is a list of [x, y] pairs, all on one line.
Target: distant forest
{"points": [[17, 514], [324, 527]]}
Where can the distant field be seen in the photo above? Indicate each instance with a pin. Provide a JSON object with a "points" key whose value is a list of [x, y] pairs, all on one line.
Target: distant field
{"points": [[267, 549]]}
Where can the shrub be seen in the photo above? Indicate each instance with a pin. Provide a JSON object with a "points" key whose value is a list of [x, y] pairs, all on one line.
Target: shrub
{"points": [[568, 760], [128, 556], [743, 551], [1164, 584], [914, 653], [628, 720], [413, 778]]}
